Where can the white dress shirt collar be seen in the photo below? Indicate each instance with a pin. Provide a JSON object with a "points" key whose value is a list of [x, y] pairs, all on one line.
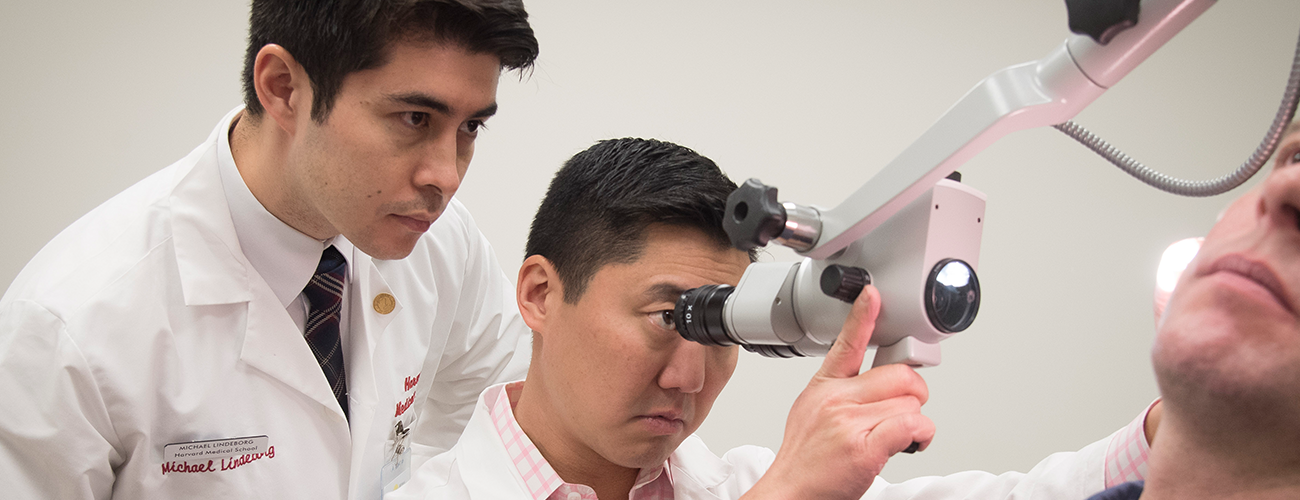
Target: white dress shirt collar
{"points": [[283, 256]]}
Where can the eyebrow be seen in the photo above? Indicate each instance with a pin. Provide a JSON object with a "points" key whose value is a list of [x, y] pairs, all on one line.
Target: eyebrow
{"points": [[427, 101], [664, 292]]}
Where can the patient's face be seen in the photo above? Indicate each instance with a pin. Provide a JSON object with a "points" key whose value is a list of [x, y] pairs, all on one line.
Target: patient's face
{"points": [[1232, 330], [630, 388]]}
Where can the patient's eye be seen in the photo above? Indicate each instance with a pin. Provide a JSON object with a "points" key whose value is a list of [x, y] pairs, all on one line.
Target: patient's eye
{"points": [[1289, 155], [663, 319]]}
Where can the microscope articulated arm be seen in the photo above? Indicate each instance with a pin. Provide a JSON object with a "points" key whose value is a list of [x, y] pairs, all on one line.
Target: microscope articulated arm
{"points": [[1040, 93]]}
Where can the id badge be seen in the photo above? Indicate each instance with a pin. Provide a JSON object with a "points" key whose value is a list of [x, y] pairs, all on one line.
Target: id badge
{"points": [[396, 470]]}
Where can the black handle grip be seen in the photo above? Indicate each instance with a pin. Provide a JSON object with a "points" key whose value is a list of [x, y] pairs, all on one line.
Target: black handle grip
{"points": [[753, 215], [1102, 19]]}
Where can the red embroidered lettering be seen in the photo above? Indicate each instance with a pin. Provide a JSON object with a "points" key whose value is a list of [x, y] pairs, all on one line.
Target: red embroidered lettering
{"points": [[410, 382], [243, 460], [226, 463], [402, 406], [187, 467]]}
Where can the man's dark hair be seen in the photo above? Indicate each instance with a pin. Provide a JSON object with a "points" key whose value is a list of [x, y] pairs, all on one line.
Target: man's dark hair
{"points": [[333, 38], [600, 203]]}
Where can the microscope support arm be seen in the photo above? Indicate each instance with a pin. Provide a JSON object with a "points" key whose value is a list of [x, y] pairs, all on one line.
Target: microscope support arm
{"points": [[1039, 93]]}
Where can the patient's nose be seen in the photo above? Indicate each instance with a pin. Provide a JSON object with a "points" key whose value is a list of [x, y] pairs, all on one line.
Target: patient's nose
{"points": [[1280, 200]]}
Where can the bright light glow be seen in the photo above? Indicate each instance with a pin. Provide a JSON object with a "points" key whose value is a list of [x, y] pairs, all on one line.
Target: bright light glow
{"points": [[954, 274], [1172, 263]]}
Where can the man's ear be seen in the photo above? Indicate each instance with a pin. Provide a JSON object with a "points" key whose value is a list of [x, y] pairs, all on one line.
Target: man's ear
{"points": [[282, 87], [538, 291]]}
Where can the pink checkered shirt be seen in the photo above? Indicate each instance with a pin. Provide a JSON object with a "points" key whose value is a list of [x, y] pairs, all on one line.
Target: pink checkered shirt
{"points": [[1126, 456], [542, 481]]}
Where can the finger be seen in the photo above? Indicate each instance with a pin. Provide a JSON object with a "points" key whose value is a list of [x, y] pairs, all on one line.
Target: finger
{"points": [[897, 434], [868, 416], [845, 356], [889, 381]]}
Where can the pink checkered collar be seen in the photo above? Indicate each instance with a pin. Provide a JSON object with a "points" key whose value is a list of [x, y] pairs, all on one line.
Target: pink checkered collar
{"points": [[542, 481]]}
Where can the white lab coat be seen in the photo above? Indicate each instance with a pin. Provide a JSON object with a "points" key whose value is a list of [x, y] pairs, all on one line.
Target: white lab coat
{"points": [[142, 325], [478, 467]]}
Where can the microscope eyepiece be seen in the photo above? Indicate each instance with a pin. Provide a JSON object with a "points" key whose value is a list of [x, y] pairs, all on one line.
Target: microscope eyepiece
{"points": [[698, 315]]}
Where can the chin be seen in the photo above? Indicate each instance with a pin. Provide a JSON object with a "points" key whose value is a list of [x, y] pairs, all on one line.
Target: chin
{"points": [[388, 250], [652, 456], [1226, 378]]}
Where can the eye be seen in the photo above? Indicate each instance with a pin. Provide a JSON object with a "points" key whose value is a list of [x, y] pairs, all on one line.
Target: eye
{"points": [[415, 119], [1288, 153], [472, 127], [663, 319]]}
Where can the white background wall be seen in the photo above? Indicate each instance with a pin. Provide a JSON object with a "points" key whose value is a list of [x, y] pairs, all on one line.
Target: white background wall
{"points": [[811, 96]]}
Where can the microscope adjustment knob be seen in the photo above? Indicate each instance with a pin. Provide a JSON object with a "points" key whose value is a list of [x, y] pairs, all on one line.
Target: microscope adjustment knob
{"points": [[844, 282], [753, 215], [1102, 19]]}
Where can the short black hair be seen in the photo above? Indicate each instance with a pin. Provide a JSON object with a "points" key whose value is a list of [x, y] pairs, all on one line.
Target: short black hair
{"points": [[601, 202], [333, 38]]}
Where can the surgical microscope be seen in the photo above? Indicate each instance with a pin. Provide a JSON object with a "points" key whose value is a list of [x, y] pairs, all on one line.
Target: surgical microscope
{"points": [[913, 230]]}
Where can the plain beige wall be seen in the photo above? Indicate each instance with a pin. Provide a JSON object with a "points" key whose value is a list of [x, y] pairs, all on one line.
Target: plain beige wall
{"points": [[812, 97]]}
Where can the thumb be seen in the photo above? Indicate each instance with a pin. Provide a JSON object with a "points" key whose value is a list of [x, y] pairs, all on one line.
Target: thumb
{"points": [[844, 359]]}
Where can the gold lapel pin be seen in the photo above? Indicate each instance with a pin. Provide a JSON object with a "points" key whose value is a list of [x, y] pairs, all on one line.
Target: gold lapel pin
{"points": [[384, 303]]}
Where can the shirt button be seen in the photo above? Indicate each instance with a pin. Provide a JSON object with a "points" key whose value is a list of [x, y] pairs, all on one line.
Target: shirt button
{"points": [[573, 495], [384, 303]]}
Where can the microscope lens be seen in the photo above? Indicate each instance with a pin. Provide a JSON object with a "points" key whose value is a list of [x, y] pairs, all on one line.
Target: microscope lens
{"points": [[952, 296]]}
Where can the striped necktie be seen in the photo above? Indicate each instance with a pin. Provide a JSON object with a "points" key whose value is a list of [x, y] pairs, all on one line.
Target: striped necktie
{"points": [[325, 303]]}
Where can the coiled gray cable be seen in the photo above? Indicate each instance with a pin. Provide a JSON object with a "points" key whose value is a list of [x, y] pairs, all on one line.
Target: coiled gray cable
{"points": [[1285, 113]]}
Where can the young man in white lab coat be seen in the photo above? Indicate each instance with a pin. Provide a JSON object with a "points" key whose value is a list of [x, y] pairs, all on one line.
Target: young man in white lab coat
{"points": [[278, 315], [1227, 355], [614, 393]]}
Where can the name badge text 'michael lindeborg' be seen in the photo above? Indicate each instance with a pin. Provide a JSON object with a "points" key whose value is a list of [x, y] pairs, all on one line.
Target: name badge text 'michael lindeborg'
{"points": [[216, 448]]}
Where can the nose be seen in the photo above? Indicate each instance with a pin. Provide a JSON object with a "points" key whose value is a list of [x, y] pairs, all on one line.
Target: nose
{"points": [[686, 367], [440, 166], [1280, 198]]}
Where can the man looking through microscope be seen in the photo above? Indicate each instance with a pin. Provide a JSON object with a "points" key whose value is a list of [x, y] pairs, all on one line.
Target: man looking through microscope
{"points": [[614, 392]]}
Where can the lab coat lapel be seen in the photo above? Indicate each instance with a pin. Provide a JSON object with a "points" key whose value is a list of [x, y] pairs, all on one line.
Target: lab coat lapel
{"points": [[696, 471], [213, 270], [273, 344], [211, 265], [366, 327], [484, 465], [368, 318]]}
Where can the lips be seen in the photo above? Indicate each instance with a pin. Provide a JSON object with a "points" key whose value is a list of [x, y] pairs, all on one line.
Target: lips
{"points": [[662, 426], [418, 222], [663, 422], [1256, 272]]}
